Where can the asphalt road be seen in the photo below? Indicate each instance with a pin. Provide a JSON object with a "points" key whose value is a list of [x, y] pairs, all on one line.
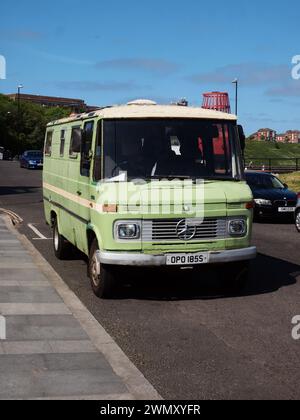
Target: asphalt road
{"points": [[189, 339]]}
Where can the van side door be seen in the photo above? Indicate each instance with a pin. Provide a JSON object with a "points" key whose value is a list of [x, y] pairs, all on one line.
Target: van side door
{"points": [[83, 186]]}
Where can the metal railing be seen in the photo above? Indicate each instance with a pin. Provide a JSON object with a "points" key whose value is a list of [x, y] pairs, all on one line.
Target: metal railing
{"points": [[278, 165]]}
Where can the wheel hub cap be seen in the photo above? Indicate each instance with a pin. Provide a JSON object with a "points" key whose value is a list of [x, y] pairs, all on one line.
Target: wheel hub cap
{"points": [[298, 221], [94, 271], [56, 238]]}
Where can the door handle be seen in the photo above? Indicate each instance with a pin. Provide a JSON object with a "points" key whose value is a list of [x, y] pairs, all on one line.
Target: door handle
{"points": [[79, 193]]}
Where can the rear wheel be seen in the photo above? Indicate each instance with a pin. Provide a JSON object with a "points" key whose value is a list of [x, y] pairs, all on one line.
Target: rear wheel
{"points": [[60, 244], [236, 276], [101, 276], [298, 221]]}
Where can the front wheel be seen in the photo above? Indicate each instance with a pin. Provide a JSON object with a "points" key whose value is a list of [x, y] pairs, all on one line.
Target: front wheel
{"points": [[101, 276], [298, 221]]}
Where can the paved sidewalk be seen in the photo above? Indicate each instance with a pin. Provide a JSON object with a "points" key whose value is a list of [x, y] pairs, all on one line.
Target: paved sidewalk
{"points": [[54, 348]]}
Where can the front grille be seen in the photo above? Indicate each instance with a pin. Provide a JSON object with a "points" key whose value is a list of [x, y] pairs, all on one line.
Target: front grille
{"points": [[159, 230], [285, 203]]}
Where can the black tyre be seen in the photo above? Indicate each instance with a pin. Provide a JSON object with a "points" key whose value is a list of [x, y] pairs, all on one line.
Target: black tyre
{"points": [[103, 283], [298, 221], [60, 244], [236, 276]]}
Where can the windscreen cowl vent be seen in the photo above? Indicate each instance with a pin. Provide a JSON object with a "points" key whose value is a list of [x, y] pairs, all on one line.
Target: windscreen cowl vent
{"points": [[142, 102]]}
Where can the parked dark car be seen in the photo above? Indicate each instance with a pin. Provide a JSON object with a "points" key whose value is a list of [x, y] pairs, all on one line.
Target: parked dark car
{"points": [[4, 154], [32, 159], [272, 198], [297, 214]]}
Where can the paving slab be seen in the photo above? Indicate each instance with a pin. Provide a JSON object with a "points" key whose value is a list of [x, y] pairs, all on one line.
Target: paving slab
{"points": [[44, 327], [54, 348]]}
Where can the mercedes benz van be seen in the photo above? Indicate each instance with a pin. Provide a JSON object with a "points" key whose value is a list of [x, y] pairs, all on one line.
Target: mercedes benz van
{"points": [[145, 185]]}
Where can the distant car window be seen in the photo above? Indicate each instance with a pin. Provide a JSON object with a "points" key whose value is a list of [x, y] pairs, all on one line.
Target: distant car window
{"points": [[277, 183], [48, 144], [35, 154], [264, 181]]}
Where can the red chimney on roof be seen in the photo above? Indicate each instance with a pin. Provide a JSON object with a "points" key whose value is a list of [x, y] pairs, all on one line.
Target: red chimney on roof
{"points": [[218, 101]]}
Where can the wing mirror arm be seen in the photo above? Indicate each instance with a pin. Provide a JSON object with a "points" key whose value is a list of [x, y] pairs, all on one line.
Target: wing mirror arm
{"points": [[242, 137]]}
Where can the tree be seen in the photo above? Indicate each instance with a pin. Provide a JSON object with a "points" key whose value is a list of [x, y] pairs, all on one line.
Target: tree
{"points": [[25, 130]]}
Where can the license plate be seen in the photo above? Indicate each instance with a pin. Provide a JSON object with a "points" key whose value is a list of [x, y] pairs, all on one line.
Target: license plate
{"points": [[188, 259], [287, 209]]}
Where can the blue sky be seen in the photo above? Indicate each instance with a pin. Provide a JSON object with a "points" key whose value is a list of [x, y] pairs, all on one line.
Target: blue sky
{"points": [[112, 52]]}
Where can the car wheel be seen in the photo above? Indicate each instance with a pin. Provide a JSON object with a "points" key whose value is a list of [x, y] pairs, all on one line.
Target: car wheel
{"points": [[298, 221], [60, 244], [101, 276], [235, 276]]}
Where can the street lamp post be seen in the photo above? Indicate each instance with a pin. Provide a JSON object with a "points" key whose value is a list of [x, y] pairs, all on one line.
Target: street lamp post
{"points": [[19, 90], [236, 83], [18, 122]]}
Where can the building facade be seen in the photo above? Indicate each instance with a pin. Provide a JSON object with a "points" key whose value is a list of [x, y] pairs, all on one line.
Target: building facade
{"points": [[266, 134], [281, 138], [293, 136], [75, 105]]}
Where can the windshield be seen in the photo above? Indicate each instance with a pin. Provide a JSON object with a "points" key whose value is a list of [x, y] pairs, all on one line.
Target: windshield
{"points": [[158, 148], [34, 154], [264, 182]]}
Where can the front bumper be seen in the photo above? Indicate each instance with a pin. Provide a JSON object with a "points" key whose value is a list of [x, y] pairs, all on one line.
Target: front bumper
{"points": [[146, 260], [271, 212], [35, 166]]}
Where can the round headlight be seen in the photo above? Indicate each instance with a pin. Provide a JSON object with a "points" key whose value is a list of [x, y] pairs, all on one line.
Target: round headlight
{"points": [[237, 227]]}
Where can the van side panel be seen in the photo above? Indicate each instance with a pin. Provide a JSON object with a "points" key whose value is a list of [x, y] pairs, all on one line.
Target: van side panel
{"points": [[60, 182]]}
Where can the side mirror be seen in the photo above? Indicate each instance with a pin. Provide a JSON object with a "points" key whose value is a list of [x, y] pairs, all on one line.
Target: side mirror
{"points": [[286, 186], [242, 137]]}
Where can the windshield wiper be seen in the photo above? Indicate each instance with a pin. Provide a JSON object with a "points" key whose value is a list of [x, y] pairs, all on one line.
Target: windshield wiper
{"points": [[171, 177], [220, 178]]}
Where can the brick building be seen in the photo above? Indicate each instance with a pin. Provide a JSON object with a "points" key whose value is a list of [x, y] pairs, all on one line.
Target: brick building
{"points": [[282, 138], [76, 105], [293, 136], [266, 134]]}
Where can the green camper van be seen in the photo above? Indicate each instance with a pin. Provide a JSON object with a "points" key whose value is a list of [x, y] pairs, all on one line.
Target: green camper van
{"points": [[146, 185]]}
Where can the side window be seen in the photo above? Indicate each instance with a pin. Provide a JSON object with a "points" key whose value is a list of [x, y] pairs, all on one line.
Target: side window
{"points": [[175, 145], [48, 143], [87, 139], [222, 150], [62, 142], [98, 154], [75, 144]]}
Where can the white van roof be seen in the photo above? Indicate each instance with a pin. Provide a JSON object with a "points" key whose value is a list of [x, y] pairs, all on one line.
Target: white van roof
{"points": [[142, 110]]}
